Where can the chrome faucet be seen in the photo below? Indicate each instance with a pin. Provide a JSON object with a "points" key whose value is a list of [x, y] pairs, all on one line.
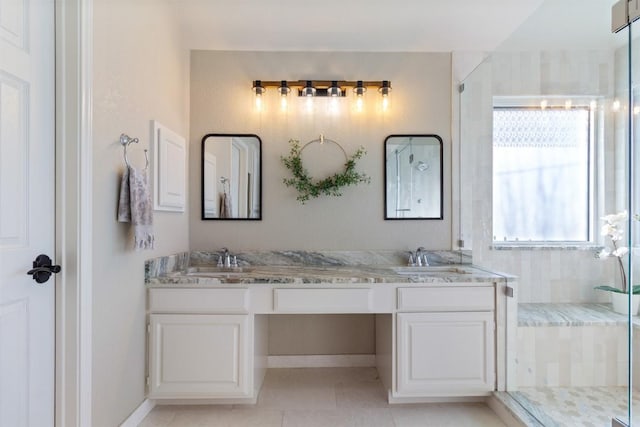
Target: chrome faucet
{"points": [[226, 260], [226, 256], [421, 257]]}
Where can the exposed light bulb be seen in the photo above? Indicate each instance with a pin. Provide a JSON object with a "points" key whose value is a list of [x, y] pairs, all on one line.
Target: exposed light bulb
{"points": [[359, 91], [334, 90], [309, 104], [283, 90], [616, 105], [259, 90], [385, 90], [333, 105]]}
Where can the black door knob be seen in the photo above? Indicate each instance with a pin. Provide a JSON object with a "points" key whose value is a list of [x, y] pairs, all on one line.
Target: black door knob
{"points": [[43, 269]]}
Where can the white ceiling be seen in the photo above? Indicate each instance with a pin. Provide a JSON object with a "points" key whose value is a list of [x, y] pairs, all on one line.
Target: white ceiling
{"points": [[351, 25], [567, 25]]}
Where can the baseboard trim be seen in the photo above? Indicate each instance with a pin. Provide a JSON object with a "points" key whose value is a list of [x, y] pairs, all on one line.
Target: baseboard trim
{"points": [[323, 361], [449, 399], [139, 414]]}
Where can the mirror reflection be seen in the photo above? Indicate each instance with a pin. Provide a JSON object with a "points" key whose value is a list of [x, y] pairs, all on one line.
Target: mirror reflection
{"points": [[413, 177], [231, 177]]}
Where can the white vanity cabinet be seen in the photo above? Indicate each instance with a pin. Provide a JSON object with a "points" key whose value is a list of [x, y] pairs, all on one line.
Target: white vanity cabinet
{"points": [[433, 340], [445, 341], [199, 355], [197, 351]]}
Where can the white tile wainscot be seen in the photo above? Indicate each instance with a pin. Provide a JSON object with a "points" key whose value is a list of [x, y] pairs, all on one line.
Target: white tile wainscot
{"points": [[438, 336], [584, 345]]}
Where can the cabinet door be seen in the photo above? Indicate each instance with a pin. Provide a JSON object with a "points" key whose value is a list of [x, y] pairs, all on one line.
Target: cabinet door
{"points": [[199, 356], [445, 354]]}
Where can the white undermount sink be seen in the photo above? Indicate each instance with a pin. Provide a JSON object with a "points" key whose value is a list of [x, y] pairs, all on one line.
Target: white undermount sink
{"points": [[216, 271], [431, 270]]}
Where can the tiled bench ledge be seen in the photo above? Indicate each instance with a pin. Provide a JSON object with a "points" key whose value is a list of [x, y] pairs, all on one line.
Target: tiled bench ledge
{"points": [[546, 314], [572, 345]]}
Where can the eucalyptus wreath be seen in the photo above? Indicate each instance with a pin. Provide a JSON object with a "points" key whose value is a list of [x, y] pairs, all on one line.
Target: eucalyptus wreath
{"points": [[329, 186]]}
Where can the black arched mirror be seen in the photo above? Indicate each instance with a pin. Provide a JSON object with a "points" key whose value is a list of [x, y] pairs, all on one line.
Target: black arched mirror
{"points": [[413, 177], [231, 177]]}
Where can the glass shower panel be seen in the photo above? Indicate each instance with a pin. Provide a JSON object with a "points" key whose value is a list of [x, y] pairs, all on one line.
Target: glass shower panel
{"points": [[401, 182], [631, 94], [574, 352]]}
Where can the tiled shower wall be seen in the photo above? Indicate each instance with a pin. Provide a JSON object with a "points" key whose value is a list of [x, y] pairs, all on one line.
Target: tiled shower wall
{"points": [[551, 275], [572, 356]]}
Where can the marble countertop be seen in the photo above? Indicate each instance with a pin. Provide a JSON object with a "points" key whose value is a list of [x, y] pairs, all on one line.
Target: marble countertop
{"points": [[587, 314], [303, 274]]}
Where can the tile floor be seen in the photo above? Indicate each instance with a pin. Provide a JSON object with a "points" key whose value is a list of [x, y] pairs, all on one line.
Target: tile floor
{"points": [[324, 397], [577, 406]]}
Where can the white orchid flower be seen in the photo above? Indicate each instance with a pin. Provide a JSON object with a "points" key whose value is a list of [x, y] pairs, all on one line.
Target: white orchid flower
{"points": [[615, 219], [607, 229], [613, 227], [617, 235], [620, 252]]}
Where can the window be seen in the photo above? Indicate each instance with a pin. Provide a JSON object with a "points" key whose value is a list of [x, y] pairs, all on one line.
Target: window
{"points": [[541, 174]]}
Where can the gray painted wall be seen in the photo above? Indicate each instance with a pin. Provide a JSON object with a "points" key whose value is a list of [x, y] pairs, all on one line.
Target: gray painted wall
{"points": [[222, 102], [140, 73]]}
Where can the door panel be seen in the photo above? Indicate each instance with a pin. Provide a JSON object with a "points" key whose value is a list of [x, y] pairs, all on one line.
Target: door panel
{"points": [[202, 356], [13, 157], [13, 20], [446, 354]]}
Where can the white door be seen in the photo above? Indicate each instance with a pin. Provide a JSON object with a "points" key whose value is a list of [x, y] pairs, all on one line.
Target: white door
{"points": [[26, 211]]}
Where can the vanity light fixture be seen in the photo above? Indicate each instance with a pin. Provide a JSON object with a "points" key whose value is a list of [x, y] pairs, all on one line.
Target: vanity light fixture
{"points": [[385, 90], [359, 91], [283, 90], [322, 88], [259, 90], [308, 89], [334, 90]]}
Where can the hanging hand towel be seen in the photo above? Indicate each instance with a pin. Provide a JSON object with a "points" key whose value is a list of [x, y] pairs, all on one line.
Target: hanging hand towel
{"points": [[225, 206], [135, 207]]}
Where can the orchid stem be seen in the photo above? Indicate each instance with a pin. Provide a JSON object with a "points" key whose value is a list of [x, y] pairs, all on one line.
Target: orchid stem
{"points": [[622, 273]]}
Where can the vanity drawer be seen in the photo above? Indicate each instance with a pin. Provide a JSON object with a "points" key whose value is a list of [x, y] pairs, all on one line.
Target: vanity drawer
{"points": [[221, 300], [446, 299], [350, 300]]}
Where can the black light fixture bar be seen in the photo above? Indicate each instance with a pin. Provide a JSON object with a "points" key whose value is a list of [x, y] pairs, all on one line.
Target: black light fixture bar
{"points": [[322, 92], [322, 87]]}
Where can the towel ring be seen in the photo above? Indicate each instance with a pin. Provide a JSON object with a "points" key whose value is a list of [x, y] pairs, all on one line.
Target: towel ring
{"points": [[225, 183], [125, 140], [321, 140]]}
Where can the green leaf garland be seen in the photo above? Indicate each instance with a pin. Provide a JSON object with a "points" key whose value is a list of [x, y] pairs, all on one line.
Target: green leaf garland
{"points": [[330, 186]]}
